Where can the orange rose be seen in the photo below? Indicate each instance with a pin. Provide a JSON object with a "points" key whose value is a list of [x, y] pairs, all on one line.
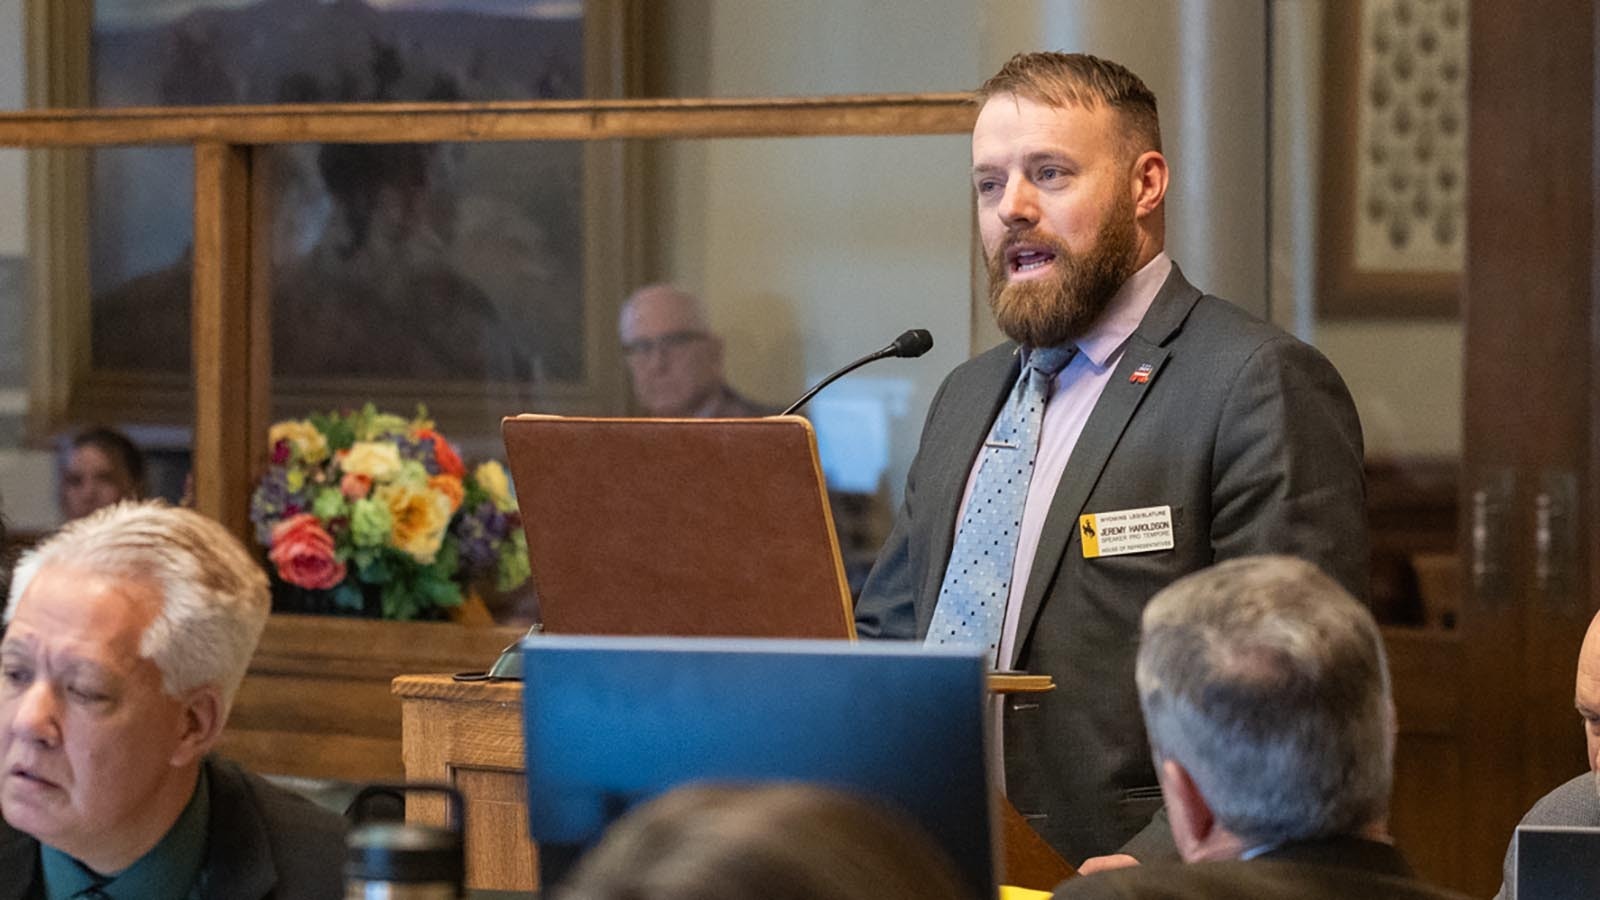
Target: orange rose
{"points": [[450, 486], [355, 485], [303, 552], [449, 461]]}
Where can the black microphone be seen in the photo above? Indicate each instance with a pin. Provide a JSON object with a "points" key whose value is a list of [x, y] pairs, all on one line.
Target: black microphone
{"points": [[912, 343]]}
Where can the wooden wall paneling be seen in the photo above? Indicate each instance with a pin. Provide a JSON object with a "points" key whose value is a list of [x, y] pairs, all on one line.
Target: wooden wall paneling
{"points": [[230, 383], [1529, 307], [316, 702], [552, 120], [58, 230], [1425, 667], [263, 186]]}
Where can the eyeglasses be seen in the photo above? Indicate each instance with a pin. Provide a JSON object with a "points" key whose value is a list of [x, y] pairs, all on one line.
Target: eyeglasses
{"points": [[670, 341]]}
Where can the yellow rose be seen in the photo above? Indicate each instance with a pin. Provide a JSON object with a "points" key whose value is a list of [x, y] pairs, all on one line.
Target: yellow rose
{"points": [[491, 477], [306, 442], [420, 516], [378, 460]]}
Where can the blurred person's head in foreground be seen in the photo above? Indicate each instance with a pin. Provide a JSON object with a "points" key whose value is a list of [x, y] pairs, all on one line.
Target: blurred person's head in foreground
{"points": [[777, 842]]}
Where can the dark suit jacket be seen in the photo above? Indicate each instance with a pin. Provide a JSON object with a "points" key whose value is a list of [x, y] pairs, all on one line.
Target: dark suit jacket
{"points": [[263, 843], [1252, 439], [1575, 803], [1335, 869], [730, 404]]}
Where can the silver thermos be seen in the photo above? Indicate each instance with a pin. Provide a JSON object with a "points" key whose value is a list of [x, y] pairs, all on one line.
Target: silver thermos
{"points": [[399, 861]]}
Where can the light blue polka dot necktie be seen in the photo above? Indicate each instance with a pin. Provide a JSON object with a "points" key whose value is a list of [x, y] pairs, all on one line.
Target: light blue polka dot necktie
{"points": [[972, 599]]}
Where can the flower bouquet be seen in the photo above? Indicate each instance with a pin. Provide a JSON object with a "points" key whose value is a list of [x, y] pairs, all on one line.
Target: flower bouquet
{"points": [[370, 513]]}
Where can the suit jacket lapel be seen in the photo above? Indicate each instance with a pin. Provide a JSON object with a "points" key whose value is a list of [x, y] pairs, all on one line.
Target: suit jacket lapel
{"points": [[990, 389], [1108, 420], [19, 865]]}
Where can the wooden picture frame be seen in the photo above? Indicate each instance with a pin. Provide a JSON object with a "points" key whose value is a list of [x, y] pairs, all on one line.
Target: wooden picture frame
{"points": [[1392, 219], [67, 388]]}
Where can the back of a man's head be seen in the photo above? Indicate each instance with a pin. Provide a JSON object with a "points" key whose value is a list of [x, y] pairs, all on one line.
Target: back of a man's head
{"points": [[214, 595], [1267, 682]]}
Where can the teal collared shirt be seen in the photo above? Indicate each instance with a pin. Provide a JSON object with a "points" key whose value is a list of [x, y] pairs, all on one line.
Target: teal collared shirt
{"points": [[170, 869]]}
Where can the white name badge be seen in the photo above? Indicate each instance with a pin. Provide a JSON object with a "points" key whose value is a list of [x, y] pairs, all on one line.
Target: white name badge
{"points": [[1126, 531]]}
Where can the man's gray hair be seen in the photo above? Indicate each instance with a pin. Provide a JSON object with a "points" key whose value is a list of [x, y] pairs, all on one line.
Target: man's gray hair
{"points": [[214, 595], [1267, 681]]}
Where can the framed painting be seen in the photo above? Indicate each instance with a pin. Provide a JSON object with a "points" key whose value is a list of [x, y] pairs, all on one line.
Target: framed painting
{"points": [[479, 279], [1393, 210]]}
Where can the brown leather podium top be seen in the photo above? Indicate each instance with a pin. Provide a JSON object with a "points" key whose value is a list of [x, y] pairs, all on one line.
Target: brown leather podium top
{"points": [[679, 527]]}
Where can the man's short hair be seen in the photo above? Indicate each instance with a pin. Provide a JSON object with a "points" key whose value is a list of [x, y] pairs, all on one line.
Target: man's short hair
{"points": [[1078, 79], [214, 595], [1267, 682]]}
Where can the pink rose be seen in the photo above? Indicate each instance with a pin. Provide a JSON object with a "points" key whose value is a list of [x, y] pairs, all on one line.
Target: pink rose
{"points": [[355, 485], [303, 552]]}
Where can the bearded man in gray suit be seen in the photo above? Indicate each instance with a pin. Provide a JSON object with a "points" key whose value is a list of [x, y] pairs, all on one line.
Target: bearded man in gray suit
{"points": [[1180, 431]]}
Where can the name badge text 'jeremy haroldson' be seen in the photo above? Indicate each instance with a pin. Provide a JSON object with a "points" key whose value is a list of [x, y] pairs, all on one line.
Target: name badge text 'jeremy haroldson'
{"points": [[1126, 531]]}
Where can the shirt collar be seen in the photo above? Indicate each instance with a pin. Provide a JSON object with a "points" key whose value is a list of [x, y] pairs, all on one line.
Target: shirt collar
{"points": [[1126, 311], [169, 869]]}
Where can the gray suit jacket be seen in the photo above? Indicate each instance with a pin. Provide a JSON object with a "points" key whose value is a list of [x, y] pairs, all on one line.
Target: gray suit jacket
{"points": [[1332, 869], [1575, 803], [1252, 439]]}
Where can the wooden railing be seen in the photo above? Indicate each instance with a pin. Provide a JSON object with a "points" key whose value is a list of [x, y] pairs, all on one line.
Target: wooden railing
{"points": [[231, 312]]}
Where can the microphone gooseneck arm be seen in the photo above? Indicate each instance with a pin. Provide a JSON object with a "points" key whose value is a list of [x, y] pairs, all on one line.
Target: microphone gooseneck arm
{"points": [[912, 343], [887, 351]]}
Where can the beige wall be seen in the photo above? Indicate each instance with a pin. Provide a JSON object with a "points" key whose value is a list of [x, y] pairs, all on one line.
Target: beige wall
{"points": [[1406, 376], [812, 252]]}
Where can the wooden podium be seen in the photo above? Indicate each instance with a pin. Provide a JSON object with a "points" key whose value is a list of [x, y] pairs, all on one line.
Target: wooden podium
{"points": [[469, 734], [681, 527]]}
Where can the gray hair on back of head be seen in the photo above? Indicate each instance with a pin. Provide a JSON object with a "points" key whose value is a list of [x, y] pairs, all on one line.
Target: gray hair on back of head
{"points": [[1267, 682], [214, 595]]}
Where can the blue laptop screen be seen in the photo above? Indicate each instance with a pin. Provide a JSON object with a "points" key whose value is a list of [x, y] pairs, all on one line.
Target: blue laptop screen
{"points": [[610, 722]]}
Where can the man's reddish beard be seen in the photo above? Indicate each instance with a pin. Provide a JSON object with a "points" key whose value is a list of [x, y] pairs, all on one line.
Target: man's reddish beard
{"points": [[1063, 306]]}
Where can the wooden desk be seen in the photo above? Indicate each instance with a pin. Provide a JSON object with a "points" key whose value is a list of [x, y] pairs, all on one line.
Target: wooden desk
{"points": [[469, 734]]}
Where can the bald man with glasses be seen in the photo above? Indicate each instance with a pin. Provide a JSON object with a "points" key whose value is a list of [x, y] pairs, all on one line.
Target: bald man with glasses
{"points": [[674, 359]]}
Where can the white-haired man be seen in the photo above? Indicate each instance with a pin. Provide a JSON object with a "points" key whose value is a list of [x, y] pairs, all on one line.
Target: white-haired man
{"points": [[1578, 801], [1266, 697], [674, 358], [128, 633]]}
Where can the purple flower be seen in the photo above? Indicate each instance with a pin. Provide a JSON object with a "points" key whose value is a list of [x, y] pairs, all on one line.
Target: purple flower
{"points": [[272, 502], [478, 537], [421, 451]]}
